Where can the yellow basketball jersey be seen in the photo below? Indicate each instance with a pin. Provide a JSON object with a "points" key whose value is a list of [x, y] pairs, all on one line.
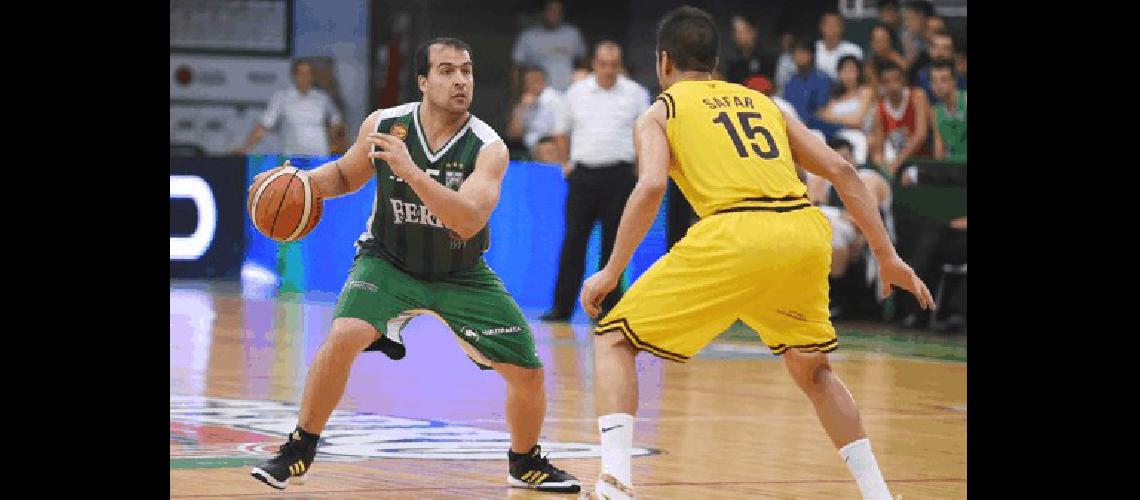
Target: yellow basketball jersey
{"points": [[730, 148]]}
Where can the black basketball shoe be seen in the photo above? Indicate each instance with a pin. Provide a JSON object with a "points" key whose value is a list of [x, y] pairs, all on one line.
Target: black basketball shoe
{"points": [[292, 462], [536, 472]]}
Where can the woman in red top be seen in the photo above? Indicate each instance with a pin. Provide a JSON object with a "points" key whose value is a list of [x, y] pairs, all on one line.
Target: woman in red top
{"points": [[901, 121]]}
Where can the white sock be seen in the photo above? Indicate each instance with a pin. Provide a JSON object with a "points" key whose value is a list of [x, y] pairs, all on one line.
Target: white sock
{"points": [[861, 462], [617, 445]]}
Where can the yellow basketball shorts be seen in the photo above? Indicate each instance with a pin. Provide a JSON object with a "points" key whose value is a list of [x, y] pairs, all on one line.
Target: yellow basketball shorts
{"points": [[767, 268]]}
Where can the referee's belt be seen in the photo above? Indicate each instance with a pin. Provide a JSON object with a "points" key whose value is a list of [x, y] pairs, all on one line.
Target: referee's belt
{"points": [[767, 204]]}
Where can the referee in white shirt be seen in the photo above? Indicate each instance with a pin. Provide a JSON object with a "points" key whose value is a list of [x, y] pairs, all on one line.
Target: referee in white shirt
{"points": [[303, 111], [601, 111]]}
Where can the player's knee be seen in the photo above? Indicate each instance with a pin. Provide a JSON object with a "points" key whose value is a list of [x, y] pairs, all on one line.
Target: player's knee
{"points": [[351, 335], [612, 341], [518, 375], [807, 369]]}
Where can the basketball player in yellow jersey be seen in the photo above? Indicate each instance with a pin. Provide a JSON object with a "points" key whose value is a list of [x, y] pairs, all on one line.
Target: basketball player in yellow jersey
{"points": [[760, 253]]}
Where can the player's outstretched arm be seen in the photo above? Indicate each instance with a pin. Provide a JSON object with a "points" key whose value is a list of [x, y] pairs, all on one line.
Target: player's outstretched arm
{"points": [[816, 157], [465, 211], [344, 175], [652, 146]]}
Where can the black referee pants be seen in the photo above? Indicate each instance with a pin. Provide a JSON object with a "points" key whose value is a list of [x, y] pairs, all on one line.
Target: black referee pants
{"points": [[597, 193]]}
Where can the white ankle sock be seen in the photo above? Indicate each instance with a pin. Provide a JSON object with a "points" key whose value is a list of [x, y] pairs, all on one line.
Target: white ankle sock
{"points": [[861, 462], [616, 430]]}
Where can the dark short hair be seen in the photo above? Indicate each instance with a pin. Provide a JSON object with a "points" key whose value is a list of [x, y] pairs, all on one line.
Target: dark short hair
{"points": [[527, 68], [839, 142], [749, 20], [885, 66], [831, 12], [889, 3], [423, 64], [804, 43], [924, 7], [947, 64], [297, 63], [689, 36]]}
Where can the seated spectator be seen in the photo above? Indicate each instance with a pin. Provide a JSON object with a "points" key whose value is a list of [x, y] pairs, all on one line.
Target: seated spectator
{"points": [[941, 49], [748, 59], [901, 120], [831, 46], [935, 24], [553, 45], [960, 63], [539, 116], [914, 39], [847, 242], [949, 117], [809, 89], [881, 50], [785, 63], [891, 19], [850, 105]]}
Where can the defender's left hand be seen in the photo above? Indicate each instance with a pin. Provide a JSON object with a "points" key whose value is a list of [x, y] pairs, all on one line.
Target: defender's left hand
{"points": [[595, 289], [394, 151]]}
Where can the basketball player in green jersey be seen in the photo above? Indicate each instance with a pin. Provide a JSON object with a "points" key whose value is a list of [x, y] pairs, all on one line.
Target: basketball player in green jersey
{"points": [[439, 171]]}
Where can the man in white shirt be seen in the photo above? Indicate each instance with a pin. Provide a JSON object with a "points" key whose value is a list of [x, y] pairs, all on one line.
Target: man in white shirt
{"points": [[602, 109], [832, 46], [306, 114], [539, 116], [553, 45]]}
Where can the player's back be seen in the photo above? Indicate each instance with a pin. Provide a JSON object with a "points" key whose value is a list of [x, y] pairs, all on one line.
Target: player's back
{"points": [[730, 148]]}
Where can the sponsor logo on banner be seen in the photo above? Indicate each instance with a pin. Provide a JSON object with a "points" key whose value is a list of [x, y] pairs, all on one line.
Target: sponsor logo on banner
{"points": [[218, 430]]}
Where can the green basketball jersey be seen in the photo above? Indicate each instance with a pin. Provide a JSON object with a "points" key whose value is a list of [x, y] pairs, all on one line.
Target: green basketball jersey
{"points": [[401, 228], [952, 125]]}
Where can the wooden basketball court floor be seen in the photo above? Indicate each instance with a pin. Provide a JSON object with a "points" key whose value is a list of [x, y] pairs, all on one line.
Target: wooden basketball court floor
{"points": [[728, 424]]}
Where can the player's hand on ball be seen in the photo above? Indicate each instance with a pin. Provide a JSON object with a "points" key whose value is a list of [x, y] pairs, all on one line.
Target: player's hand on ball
{"points": [[893, 271], [259, 177], [595, 289], [394, 151]]}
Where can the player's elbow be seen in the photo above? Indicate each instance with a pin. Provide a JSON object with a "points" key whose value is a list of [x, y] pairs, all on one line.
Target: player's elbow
{"points": [[653, 186]]}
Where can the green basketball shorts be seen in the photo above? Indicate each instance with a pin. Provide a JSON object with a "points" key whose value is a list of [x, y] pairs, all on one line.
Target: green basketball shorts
{"points": [[472, 302]]}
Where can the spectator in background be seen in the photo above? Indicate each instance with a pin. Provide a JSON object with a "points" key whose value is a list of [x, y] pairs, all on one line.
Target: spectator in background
{"points": [[941, 49], [851, 97], [960, 63], [850, 105], [935, 24], [601, 174], [539, 117], [901, 120], [882, 49], [915, 46], [748, 60], [307, 116], [809, 89], [949, 117], [785, 63], [553, 45], [831, 46], [890, 17], [847, 242]]}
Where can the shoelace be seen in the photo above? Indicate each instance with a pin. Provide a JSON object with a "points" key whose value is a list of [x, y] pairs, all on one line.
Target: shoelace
{"points": [[545, 465]]}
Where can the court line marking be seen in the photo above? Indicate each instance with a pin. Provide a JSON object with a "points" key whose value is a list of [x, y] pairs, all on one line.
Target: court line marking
{"points": [[640, 485]]}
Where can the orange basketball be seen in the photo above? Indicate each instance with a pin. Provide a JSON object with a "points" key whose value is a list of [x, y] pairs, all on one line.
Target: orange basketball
{"points": [[286, 205]]}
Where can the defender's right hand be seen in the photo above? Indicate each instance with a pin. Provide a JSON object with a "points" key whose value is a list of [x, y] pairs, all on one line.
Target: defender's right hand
{"points": [[893, 271]]}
